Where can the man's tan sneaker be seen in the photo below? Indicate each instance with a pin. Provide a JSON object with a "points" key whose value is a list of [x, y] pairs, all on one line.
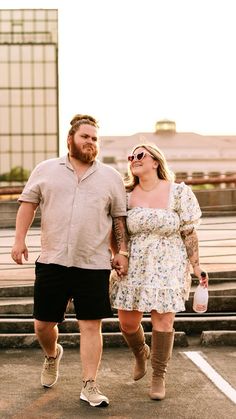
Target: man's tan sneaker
{"points": [[92, 395], [50, 370]]}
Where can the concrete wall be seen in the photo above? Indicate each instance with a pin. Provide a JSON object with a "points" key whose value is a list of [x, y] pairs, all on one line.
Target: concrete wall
{"points": [[8, 210], [217, 200]]}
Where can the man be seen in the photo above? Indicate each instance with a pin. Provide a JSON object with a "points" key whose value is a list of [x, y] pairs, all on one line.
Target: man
{"points": [[82, 201]]}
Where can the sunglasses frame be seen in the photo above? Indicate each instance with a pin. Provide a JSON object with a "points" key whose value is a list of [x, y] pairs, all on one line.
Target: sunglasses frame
{"points": [[134, 157]]}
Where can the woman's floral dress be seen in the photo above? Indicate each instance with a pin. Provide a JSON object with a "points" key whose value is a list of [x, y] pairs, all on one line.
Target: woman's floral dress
{"points": [[159, 270]]}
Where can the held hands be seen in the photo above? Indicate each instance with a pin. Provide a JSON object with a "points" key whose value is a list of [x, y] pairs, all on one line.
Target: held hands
{"points": [[17, 251], [120, 264], [201, 275]]}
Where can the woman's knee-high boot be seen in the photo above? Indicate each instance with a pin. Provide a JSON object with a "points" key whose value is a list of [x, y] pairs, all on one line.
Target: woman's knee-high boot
{"points": [[141, 351], [162, 344]]}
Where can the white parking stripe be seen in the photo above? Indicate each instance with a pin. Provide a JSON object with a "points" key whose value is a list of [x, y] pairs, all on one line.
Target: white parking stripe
{"points": [[219, 382]]}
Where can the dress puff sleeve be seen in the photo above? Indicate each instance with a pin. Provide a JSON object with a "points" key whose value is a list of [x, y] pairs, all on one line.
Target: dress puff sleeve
{"points": [[188, 208]]}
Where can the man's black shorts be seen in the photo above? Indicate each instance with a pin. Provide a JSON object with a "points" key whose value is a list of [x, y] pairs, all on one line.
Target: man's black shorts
{"points": [[56, 285]]}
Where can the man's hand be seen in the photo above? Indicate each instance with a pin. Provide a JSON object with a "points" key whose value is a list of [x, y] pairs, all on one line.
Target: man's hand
{"points": [[19, 250]]}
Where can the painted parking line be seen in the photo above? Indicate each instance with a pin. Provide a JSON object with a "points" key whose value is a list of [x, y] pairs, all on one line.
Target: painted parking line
{"points": [[216, 378]]}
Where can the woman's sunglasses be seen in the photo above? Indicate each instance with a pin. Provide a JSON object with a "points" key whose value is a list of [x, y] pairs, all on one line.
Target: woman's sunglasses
{"points": [[139, 156]]}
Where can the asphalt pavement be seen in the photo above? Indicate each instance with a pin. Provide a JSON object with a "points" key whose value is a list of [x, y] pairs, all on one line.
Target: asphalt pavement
{"points": [[191, 394]]}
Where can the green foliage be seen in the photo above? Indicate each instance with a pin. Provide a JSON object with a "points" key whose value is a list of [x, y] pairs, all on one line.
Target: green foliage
{"points": [[17, 173], [205, 186]]}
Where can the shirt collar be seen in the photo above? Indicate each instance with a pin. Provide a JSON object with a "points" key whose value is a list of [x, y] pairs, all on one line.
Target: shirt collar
{"points": [[64, 160]]}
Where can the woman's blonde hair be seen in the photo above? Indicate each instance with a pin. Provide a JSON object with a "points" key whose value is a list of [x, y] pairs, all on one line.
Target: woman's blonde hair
{"points": [[163, 171]]}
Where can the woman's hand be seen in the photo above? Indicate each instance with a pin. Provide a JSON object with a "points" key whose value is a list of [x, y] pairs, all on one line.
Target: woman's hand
{"points": [[201, 275], [120, 264]]}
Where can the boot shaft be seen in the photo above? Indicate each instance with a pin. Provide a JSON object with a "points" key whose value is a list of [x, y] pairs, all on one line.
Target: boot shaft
{"points": [[162, 345], [141, 351], [135, 341]]}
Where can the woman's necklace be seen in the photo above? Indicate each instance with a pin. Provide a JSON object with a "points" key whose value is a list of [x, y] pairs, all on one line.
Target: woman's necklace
{"points": [[151, 189]]}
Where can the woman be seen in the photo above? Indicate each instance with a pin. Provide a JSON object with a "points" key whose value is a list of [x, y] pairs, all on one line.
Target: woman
{"points": [[161, 221]]}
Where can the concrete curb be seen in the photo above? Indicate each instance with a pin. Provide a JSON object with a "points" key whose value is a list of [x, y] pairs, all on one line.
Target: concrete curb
{"points": [[219, 337], [72, 340], [188, 324]]}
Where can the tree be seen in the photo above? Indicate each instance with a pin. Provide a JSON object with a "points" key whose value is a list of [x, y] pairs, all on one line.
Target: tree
{"points": [[17, 173]]}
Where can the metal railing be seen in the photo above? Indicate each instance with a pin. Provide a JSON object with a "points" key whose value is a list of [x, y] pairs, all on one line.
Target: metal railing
{"points": [[205, 179]]}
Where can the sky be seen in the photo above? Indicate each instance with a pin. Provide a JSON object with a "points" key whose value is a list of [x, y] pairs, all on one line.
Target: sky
{"points": [[131, 63]]}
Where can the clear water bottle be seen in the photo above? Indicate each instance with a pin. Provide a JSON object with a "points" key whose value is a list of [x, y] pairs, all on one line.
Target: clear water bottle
{"points": [[200, 298]]}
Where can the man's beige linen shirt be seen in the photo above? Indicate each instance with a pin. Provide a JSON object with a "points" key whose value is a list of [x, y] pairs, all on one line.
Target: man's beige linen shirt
{"points": [[76, 216]]}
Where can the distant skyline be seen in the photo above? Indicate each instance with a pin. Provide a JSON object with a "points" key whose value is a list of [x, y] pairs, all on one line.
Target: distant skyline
{"points": [[131, 63]]}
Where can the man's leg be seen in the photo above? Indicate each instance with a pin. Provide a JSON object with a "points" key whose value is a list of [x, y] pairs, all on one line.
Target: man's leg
{"points": [[90, 348], [47, 334], [51, 295], [90, 352], [91, 301]]}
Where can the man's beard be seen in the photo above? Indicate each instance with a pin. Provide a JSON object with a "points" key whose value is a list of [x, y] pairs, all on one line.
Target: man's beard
{"points": [[86, 153]]}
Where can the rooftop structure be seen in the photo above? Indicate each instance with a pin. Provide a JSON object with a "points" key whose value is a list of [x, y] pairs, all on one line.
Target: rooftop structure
{"points": [[185, 151]]}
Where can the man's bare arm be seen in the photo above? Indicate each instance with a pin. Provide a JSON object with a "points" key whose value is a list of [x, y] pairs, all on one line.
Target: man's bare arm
{"points": [[119, 239], [119, 242], [24, 219]]}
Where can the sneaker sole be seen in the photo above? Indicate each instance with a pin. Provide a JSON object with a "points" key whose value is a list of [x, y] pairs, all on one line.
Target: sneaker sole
{"points": [[59, 359], [103, 403]]}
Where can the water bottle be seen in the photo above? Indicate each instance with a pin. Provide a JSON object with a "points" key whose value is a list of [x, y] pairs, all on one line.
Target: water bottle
{"points": [[200, 298]]}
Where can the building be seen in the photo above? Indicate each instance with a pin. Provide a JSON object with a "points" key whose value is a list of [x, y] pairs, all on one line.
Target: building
{"points": [[188, 154], [28, 91]]}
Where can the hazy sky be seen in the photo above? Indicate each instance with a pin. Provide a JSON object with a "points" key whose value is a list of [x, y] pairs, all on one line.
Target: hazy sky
{"points": [[133, 62]]}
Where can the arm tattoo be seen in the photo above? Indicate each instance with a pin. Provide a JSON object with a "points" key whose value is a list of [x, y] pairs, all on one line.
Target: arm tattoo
{"points": [[190, 240], [120, 231]]}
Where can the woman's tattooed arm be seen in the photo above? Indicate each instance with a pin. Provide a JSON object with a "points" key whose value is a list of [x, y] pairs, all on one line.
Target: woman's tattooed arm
{"points": [[190, 240]]}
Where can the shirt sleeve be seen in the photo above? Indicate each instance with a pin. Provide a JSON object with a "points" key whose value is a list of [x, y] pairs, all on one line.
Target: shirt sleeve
{"points": [[31, 191], [189, 209], [118, 204]]}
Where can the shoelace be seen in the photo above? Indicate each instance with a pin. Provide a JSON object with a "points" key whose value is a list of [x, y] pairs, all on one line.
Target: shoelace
{"points": [[50, 363], [90, 384]]}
